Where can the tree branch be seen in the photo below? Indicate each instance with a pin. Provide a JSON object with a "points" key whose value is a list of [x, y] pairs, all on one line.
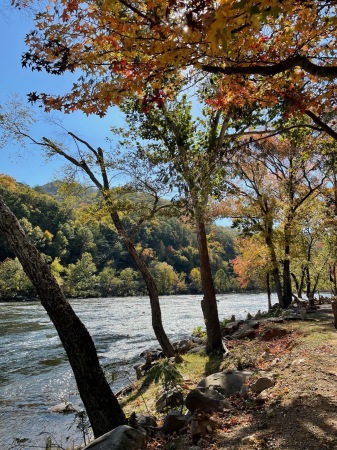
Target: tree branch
{"points": [[273, 69], [322, 124]]}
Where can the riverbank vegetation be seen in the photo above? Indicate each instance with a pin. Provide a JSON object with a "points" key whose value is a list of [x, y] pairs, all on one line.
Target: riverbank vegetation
{"points": [[298, 356], [261, 150]]}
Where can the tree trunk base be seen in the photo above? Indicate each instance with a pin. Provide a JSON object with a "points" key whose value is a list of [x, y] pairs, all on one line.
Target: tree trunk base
{"points": [[334, 310]]}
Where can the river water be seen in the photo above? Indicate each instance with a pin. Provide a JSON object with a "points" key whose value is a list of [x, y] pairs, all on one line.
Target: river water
{"points": [[34, 371]]}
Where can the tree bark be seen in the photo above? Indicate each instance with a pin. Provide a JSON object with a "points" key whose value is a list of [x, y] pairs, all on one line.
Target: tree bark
{"points": [[297, 284], [208, 304], [275, 269], [287, 291], [334, 310], [157, 323], [268, 291], [103, 409]]}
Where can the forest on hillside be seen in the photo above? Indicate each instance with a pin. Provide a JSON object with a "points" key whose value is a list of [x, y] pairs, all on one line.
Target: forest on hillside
{"points": [[87, 256]]}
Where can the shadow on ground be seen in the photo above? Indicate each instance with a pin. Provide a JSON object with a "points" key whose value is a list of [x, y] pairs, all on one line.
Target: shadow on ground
{"points": [[309, 422]]}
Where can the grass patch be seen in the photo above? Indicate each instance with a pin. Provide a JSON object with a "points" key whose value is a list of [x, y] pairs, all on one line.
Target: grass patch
{"points": [[193, 368]]}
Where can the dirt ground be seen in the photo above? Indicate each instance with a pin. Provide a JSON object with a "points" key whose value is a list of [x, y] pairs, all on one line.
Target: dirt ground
{"points": [[299, 412]]}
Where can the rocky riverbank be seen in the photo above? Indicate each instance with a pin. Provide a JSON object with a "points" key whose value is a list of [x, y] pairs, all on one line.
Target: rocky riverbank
{"points": [[275, 389]]}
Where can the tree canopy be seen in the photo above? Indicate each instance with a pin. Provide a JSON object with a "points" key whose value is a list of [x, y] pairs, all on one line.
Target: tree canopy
{"points": [[149, 47]]}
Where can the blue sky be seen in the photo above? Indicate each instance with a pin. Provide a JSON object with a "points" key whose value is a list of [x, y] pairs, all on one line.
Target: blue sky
{"points": [[28, 165]]}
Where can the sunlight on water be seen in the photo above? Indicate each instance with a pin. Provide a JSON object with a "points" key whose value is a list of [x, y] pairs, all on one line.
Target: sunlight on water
{"points": [[35, 374]]}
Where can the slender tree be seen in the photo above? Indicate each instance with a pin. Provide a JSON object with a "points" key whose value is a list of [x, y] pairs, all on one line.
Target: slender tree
{"points": [[102, 407], [90, 160], [95, 164], [187, 154]]}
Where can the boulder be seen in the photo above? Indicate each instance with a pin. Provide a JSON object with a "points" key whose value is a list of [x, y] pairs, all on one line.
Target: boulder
{"points": [[174, 422], [140, 420], [169, 399], [198, 349], [231, 327], [151, 354], [225, 383], [261, 384], [247, 330], [183, 346], [206, 400], [63, 408], [121, 438], [197, 340]]}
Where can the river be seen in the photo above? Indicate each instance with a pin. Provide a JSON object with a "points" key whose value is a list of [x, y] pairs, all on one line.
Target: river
{"points": [[34, 371]]}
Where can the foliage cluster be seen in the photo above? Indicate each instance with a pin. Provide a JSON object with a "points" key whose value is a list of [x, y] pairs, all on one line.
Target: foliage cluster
{"points": [[87, 256]]}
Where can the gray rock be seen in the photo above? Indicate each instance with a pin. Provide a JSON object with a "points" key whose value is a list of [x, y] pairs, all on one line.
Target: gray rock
{"points": [[262, 384], [262, 397], [206, 400], [63, 408], [231, 327], [151, 354], [183, 346], [169, 399], [273, 320], [173, 422], [254, 323], [225, 383], [199, 349], [121, 438], [197, 340], [145, 421], [245, 331]]}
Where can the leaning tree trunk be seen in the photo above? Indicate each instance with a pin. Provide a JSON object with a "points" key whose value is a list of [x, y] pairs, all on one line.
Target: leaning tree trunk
{"points": [[103, 409], [208, 304], [157, 323]]}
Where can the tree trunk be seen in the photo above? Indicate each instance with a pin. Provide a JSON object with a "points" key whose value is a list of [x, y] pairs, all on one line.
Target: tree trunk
{"points": [[297, 284], [287, 291], [301, 286], [334, 310], [208, 304], [334, 279], [157, 323], [275, 269], [103, 409], [268, 291]]}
